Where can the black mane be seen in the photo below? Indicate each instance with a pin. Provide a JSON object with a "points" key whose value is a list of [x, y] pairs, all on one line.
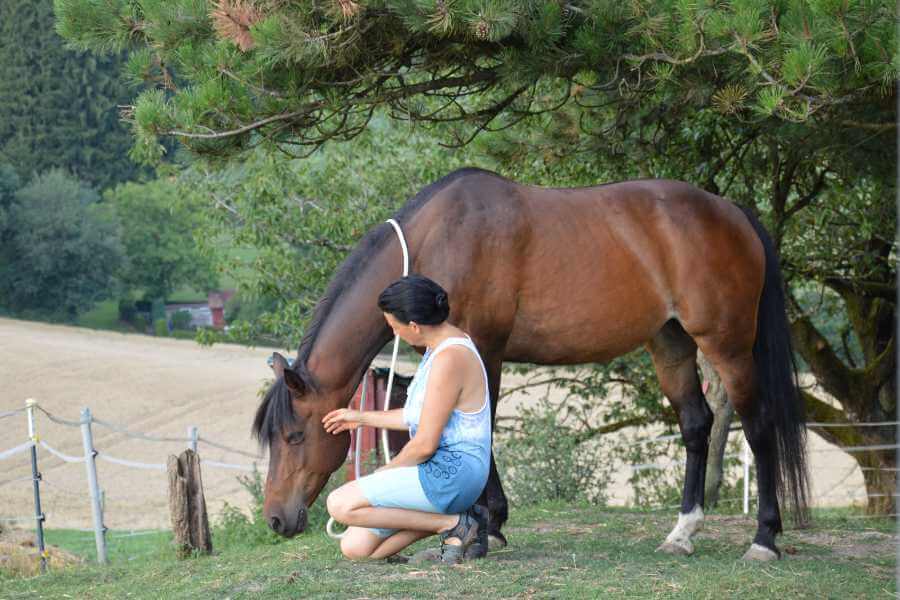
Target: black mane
{"points": [[276, 411]]}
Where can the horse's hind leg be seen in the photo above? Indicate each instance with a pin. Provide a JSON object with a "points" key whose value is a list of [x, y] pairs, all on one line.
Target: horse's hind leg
{"points": [[675, 358], [738, 373], [493, 497]]}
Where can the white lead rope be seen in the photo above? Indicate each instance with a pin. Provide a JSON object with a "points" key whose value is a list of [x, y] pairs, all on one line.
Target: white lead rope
{"points": [[385, 446]]}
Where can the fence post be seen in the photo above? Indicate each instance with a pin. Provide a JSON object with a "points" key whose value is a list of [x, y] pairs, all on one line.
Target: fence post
{"points": [[36, 480], [745, 456], [193, 436], [91, 465]]}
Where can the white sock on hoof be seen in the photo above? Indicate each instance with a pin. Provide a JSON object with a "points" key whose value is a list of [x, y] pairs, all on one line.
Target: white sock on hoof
{"points": [[688, 524]]}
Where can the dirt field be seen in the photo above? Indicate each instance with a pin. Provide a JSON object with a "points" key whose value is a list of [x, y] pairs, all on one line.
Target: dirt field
{"points": [[160, 387]]}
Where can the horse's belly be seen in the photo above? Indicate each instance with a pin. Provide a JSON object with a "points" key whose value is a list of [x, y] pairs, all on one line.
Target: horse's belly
{"points": [[589, 332]]}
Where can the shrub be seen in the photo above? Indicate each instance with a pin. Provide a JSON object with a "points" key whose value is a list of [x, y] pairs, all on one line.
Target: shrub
{"points": [[542, 459], [161, 327], [127, 311], [237, 527], [181, 320], [140, 323]]}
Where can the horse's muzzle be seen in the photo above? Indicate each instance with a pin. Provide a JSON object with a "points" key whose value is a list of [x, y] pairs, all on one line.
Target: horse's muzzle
{"points": [[283, 525]]}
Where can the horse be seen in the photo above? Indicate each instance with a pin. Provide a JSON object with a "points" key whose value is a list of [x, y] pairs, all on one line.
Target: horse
{"points": [[558, 276]]}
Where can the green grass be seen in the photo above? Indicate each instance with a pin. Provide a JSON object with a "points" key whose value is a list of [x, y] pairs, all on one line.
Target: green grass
{"points": [[556, 551]]}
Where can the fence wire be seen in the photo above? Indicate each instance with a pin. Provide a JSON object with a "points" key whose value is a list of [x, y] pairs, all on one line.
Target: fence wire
{"points": [[60, 455], [58, 420], [227, 448], [131, 463], [16, 450], [12, 413]]}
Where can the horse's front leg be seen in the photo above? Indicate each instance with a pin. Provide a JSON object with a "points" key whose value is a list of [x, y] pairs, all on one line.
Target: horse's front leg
{"points": [[695, 420], [675, 358]]}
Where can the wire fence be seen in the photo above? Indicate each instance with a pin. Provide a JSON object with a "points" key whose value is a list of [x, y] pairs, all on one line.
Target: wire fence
{"points": [[89, 458], [193, 440]]}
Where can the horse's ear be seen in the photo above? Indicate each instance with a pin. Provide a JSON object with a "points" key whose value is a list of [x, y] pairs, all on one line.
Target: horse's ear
{"points": [[294, 382], [278, 364]]}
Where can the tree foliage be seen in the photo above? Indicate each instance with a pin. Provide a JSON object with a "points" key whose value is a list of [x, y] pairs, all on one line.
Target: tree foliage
{"points": [[59, 106], [220, 74], [61, 249], [291, 222], [158, 238]]}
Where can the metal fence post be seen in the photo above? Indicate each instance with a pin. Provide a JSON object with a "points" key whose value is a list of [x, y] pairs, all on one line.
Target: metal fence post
{"points": [[90, 463], [745, 456], [36, 480], [193, 436]]}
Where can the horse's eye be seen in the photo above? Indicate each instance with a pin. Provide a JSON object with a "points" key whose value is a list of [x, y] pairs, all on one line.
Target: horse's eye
{"points": [[295, 438]]}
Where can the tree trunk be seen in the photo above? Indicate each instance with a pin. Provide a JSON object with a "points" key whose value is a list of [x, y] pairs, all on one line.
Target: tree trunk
{"points": [[187, 506], [881, 481], [718, 439], [878, 466]]}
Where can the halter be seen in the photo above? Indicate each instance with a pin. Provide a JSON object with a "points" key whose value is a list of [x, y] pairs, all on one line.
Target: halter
{"points": [[385, 448]]}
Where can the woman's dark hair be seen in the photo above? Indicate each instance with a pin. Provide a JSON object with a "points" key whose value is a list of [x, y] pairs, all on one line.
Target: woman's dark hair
{"points": [[415, 298]]}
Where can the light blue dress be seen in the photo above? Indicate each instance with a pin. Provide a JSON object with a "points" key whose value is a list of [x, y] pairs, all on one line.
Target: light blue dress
{"points": [[454, 477]]}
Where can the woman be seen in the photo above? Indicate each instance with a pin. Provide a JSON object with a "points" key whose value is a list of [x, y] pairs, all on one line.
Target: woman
{"points": [[431, 486]]}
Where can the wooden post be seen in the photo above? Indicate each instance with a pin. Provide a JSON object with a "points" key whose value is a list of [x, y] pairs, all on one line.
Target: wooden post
{"points": [[190, 523]]}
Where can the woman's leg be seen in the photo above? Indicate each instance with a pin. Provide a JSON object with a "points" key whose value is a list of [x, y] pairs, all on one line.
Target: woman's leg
{"points": [[361, 542], [398, 542], [349, 506]]}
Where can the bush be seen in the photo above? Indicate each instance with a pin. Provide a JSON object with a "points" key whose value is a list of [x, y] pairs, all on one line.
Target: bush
{"points": [[140, 323], [181, 320], [540, 459], [127, 310], [236, 527], [161, 327]]}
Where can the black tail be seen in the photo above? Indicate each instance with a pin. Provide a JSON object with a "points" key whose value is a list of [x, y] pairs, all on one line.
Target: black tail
{"points": [[781, 403]]}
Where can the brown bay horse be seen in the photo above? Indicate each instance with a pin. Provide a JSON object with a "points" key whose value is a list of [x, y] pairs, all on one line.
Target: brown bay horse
{"points": [[557, 277]]}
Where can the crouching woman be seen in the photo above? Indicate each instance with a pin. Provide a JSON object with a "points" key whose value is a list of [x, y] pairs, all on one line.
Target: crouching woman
{"points": [[431, 486]]}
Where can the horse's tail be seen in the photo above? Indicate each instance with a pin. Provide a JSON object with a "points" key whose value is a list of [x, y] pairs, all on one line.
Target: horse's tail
{"points": [[781, 405]]}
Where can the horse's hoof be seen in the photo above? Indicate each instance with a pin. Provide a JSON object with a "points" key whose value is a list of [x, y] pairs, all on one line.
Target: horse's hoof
{"points": [[496, 541], [677, 548], [476, 550], [760, 553]]}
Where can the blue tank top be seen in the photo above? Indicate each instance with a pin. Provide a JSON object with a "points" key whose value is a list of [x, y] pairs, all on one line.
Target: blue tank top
{"points": [[454, 477]]}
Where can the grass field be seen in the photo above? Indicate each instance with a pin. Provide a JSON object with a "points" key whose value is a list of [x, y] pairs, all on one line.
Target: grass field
{"points": [[556, 551]]}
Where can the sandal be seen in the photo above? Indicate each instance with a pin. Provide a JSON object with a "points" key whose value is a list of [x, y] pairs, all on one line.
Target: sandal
{"points": [[466, 530]]}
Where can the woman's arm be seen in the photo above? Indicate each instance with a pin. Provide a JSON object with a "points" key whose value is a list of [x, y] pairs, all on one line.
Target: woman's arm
{"points": [[344, 419], [441, 397], [384, 419]]}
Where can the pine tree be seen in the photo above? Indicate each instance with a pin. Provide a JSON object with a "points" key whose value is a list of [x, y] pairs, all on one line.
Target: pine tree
{"points": [[300, 73], [58, 106]]}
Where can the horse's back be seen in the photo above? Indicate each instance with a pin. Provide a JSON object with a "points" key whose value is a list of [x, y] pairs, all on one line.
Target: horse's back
{"points": [[593, 271]]}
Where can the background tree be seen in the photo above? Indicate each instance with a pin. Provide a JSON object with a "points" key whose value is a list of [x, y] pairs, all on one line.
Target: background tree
{"points": [[62, 251], [157, 233], [58, 106]]}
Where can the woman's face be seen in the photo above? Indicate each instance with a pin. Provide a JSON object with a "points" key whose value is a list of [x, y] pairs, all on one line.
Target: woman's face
{"points": [[411, 332]]}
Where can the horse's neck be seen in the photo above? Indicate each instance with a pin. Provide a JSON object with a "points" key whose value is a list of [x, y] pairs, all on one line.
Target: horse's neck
{"points": [[354, 330]]}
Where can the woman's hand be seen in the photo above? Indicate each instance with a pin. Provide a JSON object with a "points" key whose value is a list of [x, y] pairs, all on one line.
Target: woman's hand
{"points": [[342, 419]]}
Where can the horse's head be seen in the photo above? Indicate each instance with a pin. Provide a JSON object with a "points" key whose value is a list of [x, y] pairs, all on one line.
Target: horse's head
{"points": [[302, 455]]}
